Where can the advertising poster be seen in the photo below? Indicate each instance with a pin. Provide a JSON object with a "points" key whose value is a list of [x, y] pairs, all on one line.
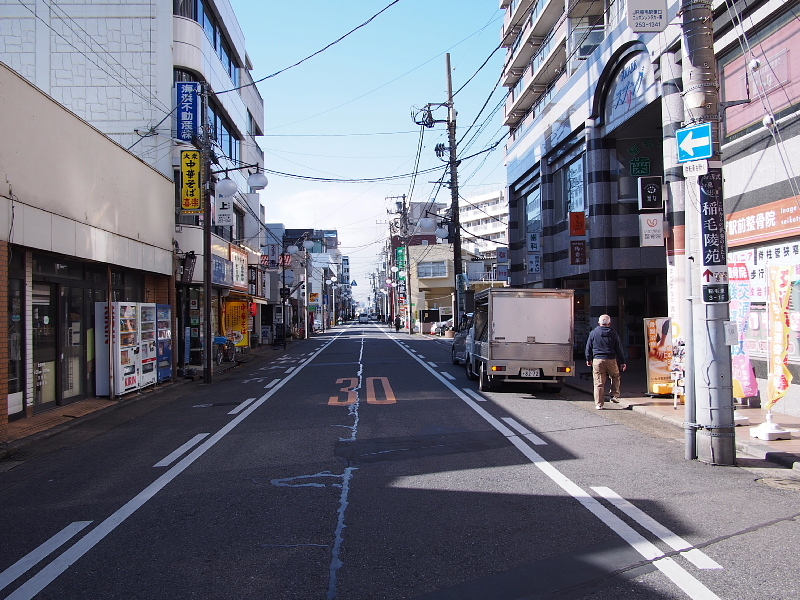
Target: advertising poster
{"points": [[779, 376], [744, 379], [659, 355], [237, 323]]}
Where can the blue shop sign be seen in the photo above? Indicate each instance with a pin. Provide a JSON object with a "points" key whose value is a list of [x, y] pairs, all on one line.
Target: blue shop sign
{"points": [[221, 271]]}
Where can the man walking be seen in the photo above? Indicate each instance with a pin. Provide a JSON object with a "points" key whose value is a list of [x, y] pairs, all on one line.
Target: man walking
{"points": [[604, 354]]}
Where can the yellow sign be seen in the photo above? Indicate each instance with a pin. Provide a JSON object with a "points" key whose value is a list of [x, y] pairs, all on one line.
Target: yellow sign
{"points": [[237, 323], [191, 182], [779, 376]]}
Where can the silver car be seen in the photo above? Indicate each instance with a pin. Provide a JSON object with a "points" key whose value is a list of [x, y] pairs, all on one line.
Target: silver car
{"points": [[459, 351]]}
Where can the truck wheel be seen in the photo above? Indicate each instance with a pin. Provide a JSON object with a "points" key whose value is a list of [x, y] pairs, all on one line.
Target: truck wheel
{"points": [[485, 381], [470, 371], [454, 357]]}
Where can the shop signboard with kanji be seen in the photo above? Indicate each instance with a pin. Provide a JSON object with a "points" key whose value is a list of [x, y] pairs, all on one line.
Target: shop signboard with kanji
{"points": [[714, 269], [191, 182]]}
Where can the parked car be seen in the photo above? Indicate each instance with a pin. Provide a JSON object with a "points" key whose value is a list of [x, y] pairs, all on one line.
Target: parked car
{"points": [[459, 348]]}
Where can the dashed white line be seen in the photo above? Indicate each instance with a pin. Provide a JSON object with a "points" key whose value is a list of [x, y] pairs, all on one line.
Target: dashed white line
{"points": [[31, 559], [433, 364], [168, 460], [271, 384], [474, 395], [242, 406], [698, 558], [447, 375], [529, 435]]}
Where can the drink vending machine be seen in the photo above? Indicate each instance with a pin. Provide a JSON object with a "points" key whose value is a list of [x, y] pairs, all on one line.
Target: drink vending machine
{"points": [[129, 337], [147, 343], [164, 327]]}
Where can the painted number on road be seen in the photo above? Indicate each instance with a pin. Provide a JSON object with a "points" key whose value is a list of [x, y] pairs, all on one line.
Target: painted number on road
{"points": [[372, 397]]}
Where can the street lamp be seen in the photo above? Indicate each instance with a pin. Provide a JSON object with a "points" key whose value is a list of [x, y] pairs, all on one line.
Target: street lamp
{"points": [[332, 283], [224, 187]]}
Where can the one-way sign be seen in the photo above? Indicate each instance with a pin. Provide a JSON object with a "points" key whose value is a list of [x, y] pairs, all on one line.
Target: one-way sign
{"points": [[694, 143]]}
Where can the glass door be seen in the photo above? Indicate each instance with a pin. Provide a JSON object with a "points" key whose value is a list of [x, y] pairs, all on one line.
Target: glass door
{"points": [[44, 313], [72, 345]]}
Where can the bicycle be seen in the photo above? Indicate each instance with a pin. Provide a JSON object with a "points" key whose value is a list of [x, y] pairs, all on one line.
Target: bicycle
{"points": [[225, 349]]}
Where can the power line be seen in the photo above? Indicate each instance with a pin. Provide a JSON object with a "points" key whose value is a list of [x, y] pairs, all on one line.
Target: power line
{"points": [[320, 51]]}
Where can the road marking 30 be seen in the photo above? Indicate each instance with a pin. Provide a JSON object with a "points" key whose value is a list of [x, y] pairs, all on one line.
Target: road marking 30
{"points": [[372, 397]]}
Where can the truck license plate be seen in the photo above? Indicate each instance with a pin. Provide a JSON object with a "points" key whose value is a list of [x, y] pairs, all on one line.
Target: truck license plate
{"points": [[530, 373]]}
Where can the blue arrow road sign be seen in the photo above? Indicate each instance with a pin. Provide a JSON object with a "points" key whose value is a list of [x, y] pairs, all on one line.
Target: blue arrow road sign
{"points": [[694, 143]]}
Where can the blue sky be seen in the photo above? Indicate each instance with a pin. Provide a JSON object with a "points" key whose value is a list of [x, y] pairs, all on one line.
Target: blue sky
{"points": [[346, 113]]}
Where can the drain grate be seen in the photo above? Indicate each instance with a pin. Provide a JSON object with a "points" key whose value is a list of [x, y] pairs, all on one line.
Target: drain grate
{"points": [[792, 485]]}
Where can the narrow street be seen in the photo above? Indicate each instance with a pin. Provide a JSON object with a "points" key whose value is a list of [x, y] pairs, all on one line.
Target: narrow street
{"points": [[362, 465]]}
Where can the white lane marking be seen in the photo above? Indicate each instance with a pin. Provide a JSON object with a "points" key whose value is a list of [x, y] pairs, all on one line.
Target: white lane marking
{"points": [[271, 384], [171, 458], [677, 574], [63, 562], [290, 369], [697, 557], [35, 556], [433, 364], [529, 435], [474, 394], [447, 375], [418, 354], [242, 406]]}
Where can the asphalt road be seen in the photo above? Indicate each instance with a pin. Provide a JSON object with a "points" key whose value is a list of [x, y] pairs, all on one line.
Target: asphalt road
{"points": [[363, 465]]}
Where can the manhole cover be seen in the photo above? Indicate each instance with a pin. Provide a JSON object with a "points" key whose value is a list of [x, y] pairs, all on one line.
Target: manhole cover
{"points": [[781, 484]]}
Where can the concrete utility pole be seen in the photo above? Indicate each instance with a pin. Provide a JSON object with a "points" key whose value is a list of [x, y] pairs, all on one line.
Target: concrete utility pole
{"points": [[707, 249], [458, 267], [427, 120]]}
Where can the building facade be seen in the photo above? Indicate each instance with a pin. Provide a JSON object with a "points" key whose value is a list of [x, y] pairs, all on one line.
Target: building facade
{"points": [[115, 64], [593, 109], [79, 228]]}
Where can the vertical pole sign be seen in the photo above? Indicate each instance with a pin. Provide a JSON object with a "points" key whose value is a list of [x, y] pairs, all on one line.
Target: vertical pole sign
{"points": [[188, 109], [191, 182], [714, 272]]}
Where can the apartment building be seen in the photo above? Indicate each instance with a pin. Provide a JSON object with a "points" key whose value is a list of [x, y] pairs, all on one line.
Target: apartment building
{"points": [[593, 107]]}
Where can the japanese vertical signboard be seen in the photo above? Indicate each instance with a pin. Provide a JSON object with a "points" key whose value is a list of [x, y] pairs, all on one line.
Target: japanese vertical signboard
{"points": [[237, 322], [191, 182], [188, 109], [577, 252], [779, 376], [651, 229], [714, 270]]}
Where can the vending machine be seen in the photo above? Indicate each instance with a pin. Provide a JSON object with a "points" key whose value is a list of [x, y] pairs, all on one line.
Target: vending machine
{"points": [[117, 342], [164, 328], [148, 357]]}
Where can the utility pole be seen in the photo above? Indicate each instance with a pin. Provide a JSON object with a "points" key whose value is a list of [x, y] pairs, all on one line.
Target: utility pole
{"points": [[454, 230], [205, 151], [458, 267], [707, 249]]}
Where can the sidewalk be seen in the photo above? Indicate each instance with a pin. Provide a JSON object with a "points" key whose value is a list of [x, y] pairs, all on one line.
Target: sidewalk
{"points": [[633, 397], [23, 432]]}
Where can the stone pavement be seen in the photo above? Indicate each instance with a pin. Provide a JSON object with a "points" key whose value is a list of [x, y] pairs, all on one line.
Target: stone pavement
{"points": [[633, 397]]}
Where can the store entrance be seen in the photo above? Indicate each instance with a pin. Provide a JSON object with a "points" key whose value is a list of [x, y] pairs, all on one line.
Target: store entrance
{"points": [[59, 345]]}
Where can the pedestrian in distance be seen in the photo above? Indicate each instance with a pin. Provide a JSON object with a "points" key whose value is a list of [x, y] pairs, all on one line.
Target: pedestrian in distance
{"points": [[604, 354], [397, 324]]}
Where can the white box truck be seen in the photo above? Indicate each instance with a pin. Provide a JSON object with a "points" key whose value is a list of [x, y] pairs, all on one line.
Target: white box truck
{"points": [[521, 335]]}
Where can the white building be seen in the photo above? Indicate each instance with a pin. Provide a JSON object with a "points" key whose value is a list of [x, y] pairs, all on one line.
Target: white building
{"points": [[484, 223], [115, 64]]}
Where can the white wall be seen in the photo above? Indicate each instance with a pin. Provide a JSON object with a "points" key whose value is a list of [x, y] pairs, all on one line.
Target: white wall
{"points": [[67, 188]]}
